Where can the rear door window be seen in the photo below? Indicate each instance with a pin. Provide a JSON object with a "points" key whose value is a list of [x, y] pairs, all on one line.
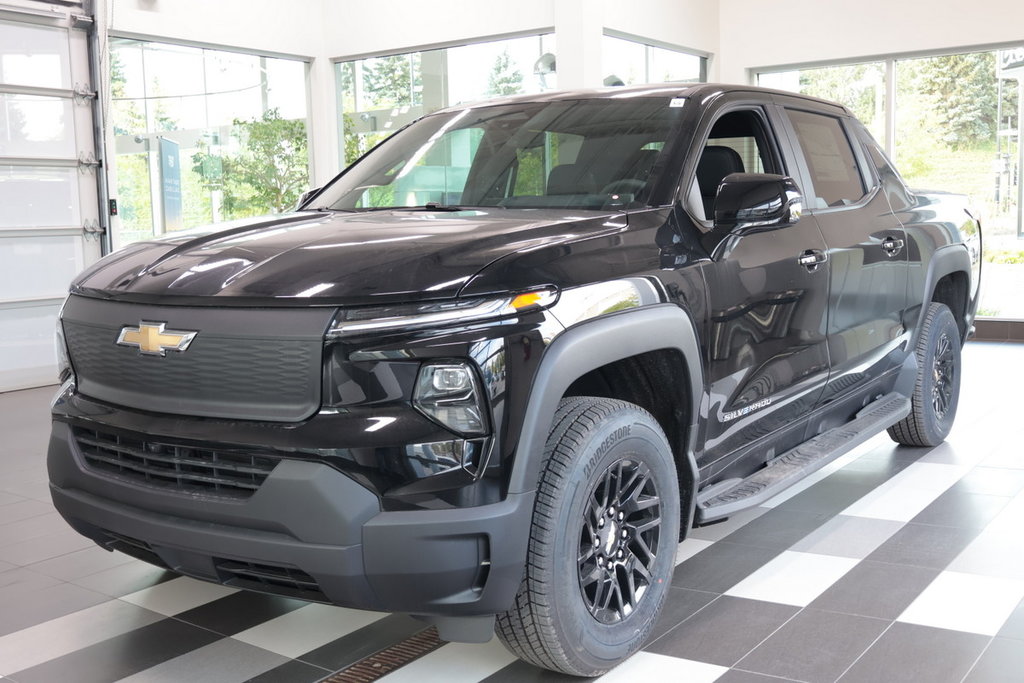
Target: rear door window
{"points": [[837, 179]]}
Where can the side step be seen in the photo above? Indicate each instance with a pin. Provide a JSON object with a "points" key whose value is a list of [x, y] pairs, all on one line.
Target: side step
{"points": [[728, 498]]}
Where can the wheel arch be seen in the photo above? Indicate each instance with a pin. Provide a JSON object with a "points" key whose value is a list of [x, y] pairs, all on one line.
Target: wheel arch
{"points": [[948, 282], [592, 358]]}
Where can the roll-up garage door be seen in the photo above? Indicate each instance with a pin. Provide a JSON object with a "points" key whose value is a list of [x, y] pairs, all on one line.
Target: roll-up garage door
{"points": [[49, 208]]}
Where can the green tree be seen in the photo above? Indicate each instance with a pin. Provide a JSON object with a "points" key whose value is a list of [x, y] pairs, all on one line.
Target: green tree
{"points": [[393, 81], [270, 170], [963, 91], [505, 78], [858, 86]]}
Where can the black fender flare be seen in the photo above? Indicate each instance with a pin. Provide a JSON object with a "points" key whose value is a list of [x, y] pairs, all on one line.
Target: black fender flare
{"points": [[944, 261], [590, 345]]}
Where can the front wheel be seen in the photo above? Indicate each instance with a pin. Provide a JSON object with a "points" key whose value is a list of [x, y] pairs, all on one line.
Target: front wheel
{"points": [[937, 390], [602, 541]]}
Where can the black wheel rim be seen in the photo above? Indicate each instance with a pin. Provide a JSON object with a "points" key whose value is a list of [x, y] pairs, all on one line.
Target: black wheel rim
{"points": [[619, 541], [943, 375]]}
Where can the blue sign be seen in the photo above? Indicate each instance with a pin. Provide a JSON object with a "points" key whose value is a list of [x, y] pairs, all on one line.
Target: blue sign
{"points": [[170, 184]]}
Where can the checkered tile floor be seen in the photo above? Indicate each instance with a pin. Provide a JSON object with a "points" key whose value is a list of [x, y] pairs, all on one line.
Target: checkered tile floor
{"points": [[891, 565]]}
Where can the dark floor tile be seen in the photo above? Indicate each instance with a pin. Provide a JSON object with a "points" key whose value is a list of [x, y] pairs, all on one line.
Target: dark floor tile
{"points": [[521, 672], [723, 632], [373, 638], [960, 509], [922, 545], [1014, 625], [292, 672], [1003, 662], [778, 529], [814, 646], [721, 566], [680, 605], [122, 655], [875, 589], [740, 676], [829, 497], [236, 612], [908, 653]]}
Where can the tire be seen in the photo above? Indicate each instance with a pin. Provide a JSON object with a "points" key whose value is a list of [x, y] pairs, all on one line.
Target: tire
{"points": [[591, 591], [937, 390]]}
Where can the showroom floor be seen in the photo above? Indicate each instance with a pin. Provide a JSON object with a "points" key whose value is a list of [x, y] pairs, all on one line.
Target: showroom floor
{"points": [[892, 565]]}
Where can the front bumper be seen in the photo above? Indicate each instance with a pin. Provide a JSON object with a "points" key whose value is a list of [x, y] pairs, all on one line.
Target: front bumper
{"points": [[309, 531]]}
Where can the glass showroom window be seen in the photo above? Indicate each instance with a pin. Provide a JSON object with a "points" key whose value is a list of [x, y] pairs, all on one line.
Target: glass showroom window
{"points": [[861, 87], [204, 136], [378, 95], [957, 129], [625, 62]]}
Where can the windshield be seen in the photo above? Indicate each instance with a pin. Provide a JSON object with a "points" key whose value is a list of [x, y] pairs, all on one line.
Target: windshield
{"points": [[584, 154]]}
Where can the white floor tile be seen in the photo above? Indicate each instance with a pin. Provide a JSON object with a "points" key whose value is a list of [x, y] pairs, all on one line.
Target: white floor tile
{"points": [[178, 595], [846, 536], [455, 663], [648, 666], [901, 498], [691, 547], [1008, 456], [58, 637], [965, 602], [793, 578], [307, 628], [994, 553]]}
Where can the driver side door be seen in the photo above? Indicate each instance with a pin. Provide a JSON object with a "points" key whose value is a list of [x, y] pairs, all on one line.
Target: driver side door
{"points": [[767, 353]]}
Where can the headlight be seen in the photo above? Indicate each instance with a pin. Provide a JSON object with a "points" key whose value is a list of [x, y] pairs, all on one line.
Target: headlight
{"points": [[449, 393], [64, 370], [353, 321]]}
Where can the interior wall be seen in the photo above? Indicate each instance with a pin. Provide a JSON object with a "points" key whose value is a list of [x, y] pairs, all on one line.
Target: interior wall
{"points": [[269, 26], [691, 24], [755, 35], [364, 28]]}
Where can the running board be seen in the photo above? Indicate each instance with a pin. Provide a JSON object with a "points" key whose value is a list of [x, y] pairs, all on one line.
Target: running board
{"points": [[727, 498]]}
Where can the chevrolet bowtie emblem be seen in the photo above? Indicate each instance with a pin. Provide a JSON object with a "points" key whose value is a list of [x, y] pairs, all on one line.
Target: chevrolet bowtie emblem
{"points": [[152, 339]]}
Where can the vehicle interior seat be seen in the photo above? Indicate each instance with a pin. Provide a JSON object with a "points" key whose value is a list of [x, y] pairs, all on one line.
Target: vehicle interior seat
{"points": [[715, 163], [571, 179]]}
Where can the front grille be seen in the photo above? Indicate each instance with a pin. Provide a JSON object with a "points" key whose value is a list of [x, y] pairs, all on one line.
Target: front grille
{"points": [[245, 364], [268, 578], [187, 469]]}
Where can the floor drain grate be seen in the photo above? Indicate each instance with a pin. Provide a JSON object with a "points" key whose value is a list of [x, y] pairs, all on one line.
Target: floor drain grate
{"points": [[387, 660]]}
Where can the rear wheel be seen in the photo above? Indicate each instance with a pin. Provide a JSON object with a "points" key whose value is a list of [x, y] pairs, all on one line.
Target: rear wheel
{"points": [[602, 541], [937, 390]]}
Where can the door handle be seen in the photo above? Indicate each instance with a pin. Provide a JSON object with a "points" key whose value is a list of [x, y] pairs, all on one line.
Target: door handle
{"points": [[892, 245], [812, 258]]}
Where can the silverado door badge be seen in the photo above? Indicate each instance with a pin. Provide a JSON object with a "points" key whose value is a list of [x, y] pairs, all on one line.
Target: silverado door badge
{"points": [[153, 340]]}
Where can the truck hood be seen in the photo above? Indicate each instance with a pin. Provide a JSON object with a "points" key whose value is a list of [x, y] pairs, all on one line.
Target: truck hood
{"points": [[319, 258]]}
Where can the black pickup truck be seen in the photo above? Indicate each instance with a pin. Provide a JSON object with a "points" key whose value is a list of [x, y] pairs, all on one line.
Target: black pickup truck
{"points": [[493, 372]]}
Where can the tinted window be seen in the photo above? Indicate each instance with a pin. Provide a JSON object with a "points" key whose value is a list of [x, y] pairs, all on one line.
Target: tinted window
{"points": [[737, 144], [586, 154], [833, 168]]}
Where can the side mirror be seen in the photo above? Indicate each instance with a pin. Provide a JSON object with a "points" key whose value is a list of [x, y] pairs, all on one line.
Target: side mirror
{"points": [[306, 196], [757, 201]]}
